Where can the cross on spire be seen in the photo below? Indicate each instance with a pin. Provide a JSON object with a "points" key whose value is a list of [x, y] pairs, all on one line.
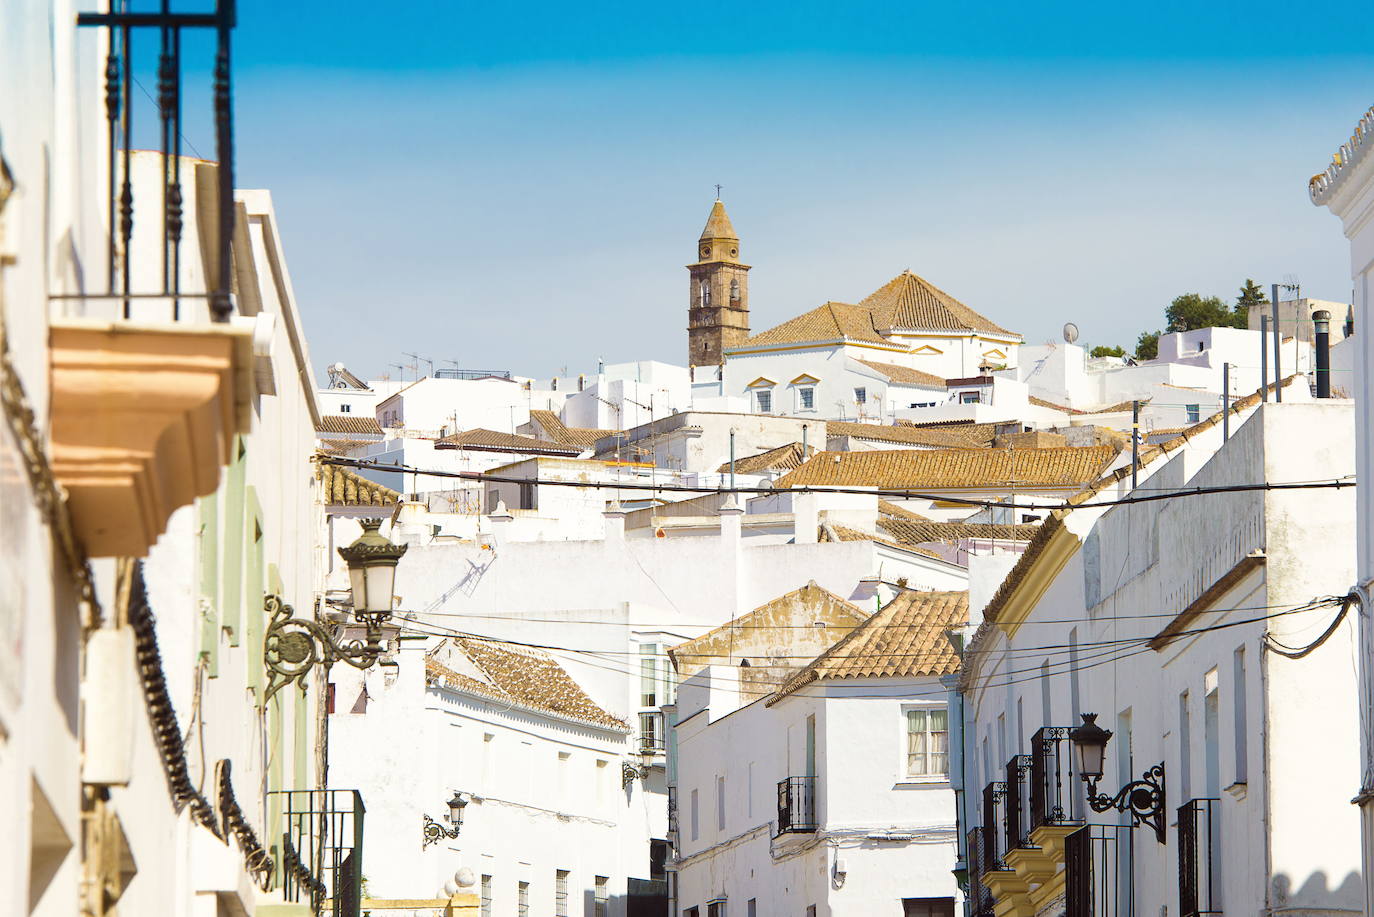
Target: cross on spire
{"points": [[717, 192]]}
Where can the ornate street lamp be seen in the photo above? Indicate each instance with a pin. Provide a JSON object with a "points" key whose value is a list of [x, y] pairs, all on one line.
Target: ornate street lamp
{"points": [[1143, 798], [434, 832], [293, 645], [629, 772]]}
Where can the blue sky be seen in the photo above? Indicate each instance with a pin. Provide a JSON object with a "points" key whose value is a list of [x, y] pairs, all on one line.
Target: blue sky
{"points": [[519, 185]]}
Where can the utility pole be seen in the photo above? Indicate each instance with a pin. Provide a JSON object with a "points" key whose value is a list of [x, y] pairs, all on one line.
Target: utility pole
{"points": [[1264, 358], [1278, 342]]}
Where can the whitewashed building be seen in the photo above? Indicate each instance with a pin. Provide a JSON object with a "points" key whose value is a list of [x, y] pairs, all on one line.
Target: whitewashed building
{"points": [[1203, 633], [817, 786], [1346, 187]]}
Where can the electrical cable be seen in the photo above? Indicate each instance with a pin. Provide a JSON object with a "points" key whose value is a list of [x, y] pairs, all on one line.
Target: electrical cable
{"points": [[1292, 652]]}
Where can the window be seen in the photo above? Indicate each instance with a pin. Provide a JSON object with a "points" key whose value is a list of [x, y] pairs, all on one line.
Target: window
{"points": [[1027, 518], [345, 409], [715, 909], [811, 910], [560, 893], [704, 295], [1194, 412], [861, 396], [720, 803], [764, 400], [648, 675], [691, 912], [651, 731], [522, 899], [808, 398], [927, 907], [968, 398], [692, 814], [527, 495], [927, 742], [1185, 738], [1211, 709], [751, 908], [1238, 708], [486, 896], [734, 290], [601, 899]]}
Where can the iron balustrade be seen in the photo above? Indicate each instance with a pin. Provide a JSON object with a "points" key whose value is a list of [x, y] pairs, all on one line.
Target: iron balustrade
{"points": [[472, 373], [994, 826], [322, 849], [672, 810], [1052, 780], [119, 82], [797, 805], [981, 901], [1018, 803], [1098, 871], [1199, 825]]}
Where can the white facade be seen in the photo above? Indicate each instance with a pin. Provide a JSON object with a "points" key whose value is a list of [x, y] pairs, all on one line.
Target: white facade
{"points": [[1347, 188], [826, 382], [440, 405], [624, 395], [1163, 619]]}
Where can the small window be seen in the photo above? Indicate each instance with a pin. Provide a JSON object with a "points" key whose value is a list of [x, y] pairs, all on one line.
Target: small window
{"points": [[691, 912], [720, 803], [651, 731], [808, 398], [692, 816], [486, 896], [345, 409], [1194, 412], [705, 296], [648, 675], [861, 395], [751, 908], [1029, 517], [715, 909], [601, 897], [522, 900], [560, 893], [927, 907], [927, 737], [764, 401], [968, 398], [527, 495], [734, 290]]}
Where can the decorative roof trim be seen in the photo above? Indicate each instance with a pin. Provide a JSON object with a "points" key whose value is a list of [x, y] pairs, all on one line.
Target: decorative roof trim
{"points": [[1323, 186]]}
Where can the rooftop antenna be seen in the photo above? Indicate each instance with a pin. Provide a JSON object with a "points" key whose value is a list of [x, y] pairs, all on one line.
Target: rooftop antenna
{"points": [[417, 358], [401, 368]]}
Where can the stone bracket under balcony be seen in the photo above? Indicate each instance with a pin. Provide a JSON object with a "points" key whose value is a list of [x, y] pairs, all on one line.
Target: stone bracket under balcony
{"points": [[1010, 893], [144, 415]]}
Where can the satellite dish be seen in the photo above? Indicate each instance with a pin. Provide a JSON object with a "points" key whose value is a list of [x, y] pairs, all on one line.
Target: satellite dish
{"points": [[1070, 332]]}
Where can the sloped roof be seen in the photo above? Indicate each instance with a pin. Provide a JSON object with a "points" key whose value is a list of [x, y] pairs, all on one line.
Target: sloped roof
{"points": [[519, 675], [343, 487], [496, 441], [914, 469], [558, 432], [909, 301], [718, 224], [905, 375], [771, 625], [888, 508], [783, 458], [1041, 402], [908, 532], [831, 531], [350, 424], [905, 639], [833, 321], [967, 437]]}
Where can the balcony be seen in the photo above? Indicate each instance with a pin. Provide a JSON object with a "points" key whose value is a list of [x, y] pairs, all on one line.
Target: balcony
{"points": [[322, 849], [1199, 835], [1097, 868], [980, 897], [1007, 887], [1054, 809], [797, 805]]}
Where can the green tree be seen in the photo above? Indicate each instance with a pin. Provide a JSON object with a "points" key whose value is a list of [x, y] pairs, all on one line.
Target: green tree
{"points": [[1101, 350], [1192, 310], [1147, 345], [1250, 295]]}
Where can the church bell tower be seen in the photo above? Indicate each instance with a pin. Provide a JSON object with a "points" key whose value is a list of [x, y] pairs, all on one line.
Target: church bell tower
{"points": [[718, 298]]}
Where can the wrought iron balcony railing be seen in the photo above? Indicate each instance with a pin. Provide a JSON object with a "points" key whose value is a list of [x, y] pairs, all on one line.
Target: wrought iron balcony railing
{"points": [[651, 734], [1199, 835], [994, 826], [1052, 780], [1018, 803], [1097, 867], [797, 805], [215, 214], [322, 849], [981, 901]]}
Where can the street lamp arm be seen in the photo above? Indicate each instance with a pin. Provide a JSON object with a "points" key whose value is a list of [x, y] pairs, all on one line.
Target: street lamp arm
{"points": [[1143, 798], [291, 646]]}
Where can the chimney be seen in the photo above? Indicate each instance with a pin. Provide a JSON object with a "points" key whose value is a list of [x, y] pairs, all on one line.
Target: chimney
{"points": [[501, 519], [730, 521], [614, 516], [806, 517], [1321, 321]]}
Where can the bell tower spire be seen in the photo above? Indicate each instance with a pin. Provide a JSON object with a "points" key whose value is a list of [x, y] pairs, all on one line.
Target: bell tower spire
{"points": [[718, 298]]}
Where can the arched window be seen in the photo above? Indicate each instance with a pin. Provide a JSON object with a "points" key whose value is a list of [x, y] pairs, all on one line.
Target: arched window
{"points": [[704, 298], [734, 290]]}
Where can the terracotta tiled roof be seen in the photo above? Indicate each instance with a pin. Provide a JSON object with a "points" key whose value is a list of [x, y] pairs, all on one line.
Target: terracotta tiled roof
{"points": [[913, 469], [907, 532], [495, 441], [831, 532], [343, 446], [966, 437], [783, 458], [905, 639], [558, 432], [1114, 408], [888, 508], [348, 423], [519, 675], [1041, 402], [905, 375], [833, 321], [909, 301], [343, 487]]}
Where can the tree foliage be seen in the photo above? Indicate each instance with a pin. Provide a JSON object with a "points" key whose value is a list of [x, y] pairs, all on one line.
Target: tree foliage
{"points": [[1102, 350], [1192, 311], [1250, 295], [1147, 345]]}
